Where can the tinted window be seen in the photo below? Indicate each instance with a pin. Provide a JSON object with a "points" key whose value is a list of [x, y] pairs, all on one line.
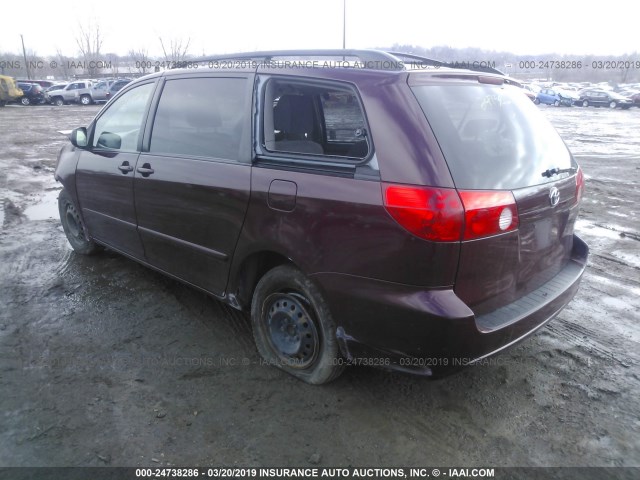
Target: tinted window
{"points": [[119, 127], [492, 137], [201, 117]]}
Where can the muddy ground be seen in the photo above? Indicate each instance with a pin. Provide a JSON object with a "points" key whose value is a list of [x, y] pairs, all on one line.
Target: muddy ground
{"points": [[104, 362]]}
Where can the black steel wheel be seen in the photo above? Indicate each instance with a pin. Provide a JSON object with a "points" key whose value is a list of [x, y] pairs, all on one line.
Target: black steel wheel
{"points": [[74, 227], [293, 327]]}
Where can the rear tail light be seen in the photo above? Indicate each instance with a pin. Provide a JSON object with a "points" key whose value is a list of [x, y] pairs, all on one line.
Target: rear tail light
{"points": [[579, 185], [488, 213], [447, 215], [434, 214]]}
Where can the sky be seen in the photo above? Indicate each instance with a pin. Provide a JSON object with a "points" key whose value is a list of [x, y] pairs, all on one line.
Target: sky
{"points": [[215, 27]]}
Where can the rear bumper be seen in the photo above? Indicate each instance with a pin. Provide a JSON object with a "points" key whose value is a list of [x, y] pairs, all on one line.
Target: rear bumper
{"points": [[429, 332]]}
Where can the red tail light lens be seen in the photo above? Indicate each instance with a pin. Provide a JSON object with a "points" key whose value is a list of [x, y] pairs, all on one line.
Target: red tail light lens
{"points": [[579, 185], [488, 213], [434, 214], [447, 215]]}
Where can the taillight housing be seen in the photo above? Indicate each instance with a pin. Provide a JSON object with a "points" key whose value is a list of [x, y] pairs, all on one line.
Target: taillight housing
{"points": [[488, 212], [449, 215], [579, 185], [434, 214]]}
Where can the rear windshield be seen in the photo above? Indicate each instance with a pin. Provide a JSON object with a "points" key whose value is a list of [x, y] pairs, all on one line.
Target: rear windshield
{"points": [[492, 136]]}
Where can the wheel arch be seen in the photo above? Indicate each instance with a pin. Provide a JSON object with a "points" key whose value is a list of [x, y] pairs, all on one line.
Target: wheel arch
{"points": [[244, 278]]}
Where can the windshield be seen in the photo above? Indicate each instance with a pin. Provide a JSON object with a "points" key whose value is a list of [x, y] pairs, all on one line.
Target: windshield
{"points": [[492, 136]]}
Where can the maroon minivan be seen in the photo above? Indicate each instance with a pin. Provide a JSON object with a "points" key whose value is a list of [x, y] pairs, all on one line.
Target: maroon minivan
{"points": [[367, 208]]}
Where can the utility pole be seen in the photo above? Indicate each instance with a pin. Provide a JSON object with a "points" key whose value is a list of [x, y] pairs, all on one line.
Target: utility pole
{"points": [[344, 24], [24, 54]]}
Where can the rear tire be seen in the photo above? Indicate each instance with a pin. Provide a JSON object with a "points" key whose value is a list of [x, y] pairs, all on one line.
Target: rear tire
{"points": [[85, 100], [74, 227], [293, 328]]}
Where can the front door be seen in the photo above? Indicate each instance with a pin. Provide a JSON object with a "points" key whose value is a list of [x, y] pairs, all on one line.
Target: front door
{"points": [[105, 172]]}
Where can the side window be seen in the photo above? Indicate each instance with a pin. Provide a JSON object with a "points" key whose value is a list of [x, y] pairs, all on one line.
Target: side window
{"points": [[314, 119], [118, 128], [201, 117]]}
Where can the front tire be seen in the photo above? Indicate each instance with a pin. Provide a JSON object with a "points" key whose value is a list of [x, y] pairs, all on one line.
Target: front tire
{"points": [[585, 103], [25, 101], [557, 103], [293, 328], [58, 102], [613, 105], [536, 101], [74, 227]]}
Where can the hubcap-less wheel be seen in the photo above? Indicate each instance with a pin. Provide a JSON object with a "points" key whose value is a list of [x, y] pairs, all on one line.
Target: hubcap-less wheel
{"points": [[73, 226], [537, 101], [293, 326], [292, 330]]}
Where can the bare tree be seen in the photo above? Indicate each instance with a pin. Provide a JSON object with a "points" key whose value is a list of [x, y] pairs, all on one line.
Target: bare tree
{"points": [[62, 64], [140, 60], [89, 40], [176, 50]]}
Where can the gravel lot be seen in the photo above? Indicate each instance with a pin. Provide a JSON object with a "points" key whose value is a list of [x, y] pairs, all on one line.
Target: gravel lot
{"points": [[104, 362]]}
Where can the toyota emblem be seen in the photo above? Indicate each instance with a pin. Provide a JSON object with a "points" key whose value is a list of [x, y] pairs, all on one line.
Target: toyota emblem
{"points": [[554, 196]]}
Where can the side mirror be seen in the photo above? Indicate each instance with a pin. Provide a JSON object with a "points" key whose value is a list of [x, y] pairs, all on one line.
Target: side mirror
{"points": [[78, 137], [109, 140]]}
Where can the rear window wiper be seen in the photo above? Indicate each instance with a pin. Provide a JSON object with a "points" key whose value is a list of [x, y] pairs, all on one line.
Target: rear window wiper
{"points": [[550, 172]]}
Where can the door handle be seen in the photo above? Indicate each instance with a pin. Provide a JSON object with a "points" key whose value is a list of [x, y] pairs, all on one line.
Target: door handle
{"points": [[145, 170], [125, 167]]}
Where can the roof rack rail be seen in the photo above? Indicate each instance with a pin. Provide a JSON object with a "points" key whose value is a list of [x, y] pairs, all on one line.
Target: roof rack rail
{"points": [[437, 63], [373, 59]]}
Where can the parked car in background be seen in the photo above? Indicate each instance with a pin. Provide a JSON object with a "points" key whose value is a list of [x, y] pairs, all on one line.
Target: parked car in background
{"points": [[415, 220], [32, 94], [43, 83], [602, 98], [117, 86], [100, 92], [9, 91], [75, 92], [532, 91], [551, 96]]}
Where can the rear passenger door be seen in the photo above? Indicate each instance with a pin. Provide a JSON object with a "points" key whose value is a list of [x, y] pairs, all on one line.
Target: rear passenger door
{"points": [[192, 183]]}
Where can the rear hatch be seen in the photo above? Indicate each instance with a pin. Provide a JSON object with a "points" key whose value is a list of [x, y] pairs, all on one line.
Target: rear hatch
{"points": [[518, 183]]}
